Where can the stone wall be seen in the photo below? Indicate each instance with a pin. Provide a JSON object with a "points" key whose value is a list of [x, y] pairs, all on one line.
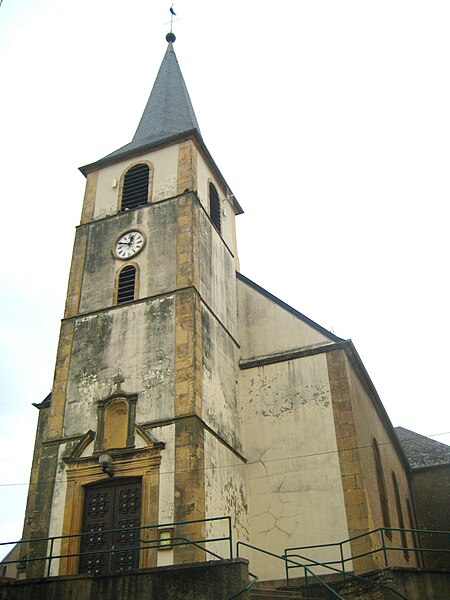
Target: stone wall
{"points": [[413, 584], [431, 490], [212, 580]]}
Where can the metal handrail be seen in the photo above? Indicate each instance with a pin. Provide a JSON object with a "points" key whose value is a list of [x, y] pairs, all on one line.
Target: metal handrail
{"points": [[51, 539], [382, 548], [353, 575], [247, 587], [286, 559]]}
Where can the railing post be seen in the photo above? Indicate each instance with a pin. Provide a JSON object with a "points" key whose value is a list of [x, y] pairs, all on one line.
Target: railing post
{"points": [[342, 561], [50, 556], [383, 545], [286, 568], [230, 535]]}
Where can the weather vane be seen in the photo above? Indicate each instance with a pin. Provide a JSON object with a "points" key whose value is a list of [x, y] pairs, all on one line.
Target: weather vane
{"points": [[172, 15], [170, 37]]}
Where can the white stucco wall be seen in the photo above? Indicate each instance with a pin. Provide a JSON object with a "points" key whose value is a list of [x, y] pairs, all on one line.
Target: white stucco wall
{"points": [[226, 494], [57, 514], [157, 223], [217, 276], [136, 341], [266, 328], [294, 479], [205, 175], [166, 434], [220, 406], [165, 164]]}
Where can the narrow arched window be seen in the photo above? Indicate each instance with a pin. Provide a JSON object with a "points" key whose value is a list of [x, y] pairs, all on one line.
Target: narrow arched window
{"points": [[381, 486], [400, 520], [413, 525], [214, 207], [135, 187], [126, 286]]}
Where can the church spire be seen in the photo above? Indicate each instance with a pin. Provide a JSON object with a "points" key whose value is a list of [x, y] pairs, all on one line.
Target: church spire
{"points": [[168, 117], [169, 112], [169, 109]]}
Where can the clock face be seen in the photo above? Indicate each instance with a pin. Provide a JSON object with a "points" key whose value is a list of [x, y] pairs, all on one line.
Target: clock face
{"points": [[129, 244]]}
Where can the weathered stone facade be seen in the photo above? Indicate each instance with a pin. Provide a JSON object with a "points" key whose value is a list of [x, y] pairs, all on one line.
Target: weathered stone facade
{"points": [[219, 398]]}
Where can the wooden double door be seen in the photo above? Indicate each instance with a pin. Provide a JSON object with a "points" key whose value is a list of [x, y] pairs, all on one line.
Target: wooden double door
{"points": [[111, 505]]}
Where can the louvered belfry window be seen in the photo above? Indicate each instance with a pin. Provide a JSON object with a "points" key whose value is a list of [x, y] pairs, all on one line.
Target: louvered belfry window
{"points": [[135, 187], [126, 285], [214, 207]]}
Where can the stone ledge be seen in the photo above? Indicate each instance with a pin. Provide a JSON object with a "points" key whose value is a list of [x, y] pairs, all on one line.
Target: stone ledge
{"points": [[191, 581]]}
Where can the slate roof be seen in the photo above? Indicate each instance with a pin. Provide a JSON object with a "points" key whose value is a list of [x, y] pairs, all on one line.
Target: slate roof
{"points": [[169, 111], [422, 451]]}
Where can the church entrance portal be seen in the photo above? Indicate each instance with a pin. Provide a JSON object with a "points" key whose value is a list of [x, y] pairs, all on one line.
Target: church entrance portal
{"points": [[113, 504]]}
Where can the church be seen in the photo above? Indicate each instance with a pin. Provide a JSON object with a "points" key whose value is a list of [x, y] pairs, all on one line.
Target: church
{"points": [[190, 407]]}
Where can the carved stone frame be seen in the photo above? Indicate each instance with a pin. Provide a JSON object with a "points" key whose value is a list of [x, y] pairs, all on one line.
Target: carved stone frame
{"points": [[131, 400], [142, 462]]}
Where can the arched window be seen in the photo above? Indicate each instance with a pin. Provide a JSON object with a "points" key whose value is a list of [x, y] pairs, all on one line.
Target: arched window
{"points": [[135, 191], [214, 207], [126, 286], [412, 525], [400, 520], [381, 486]]}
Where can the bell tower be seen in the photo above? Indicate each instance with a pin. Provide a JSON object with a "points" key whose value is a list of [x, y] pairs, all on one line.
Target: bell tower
{"points": [[144, 402]]}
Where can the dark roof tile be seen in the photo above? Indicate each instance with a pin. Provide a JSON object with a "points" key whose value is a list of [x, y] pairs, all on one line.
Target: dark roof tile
{"points": [[422, 451]]}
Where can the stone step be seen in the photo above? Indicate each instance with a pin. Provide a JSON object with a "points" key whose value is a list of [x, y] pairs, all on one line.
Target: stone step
{"points": [[266, 594]]}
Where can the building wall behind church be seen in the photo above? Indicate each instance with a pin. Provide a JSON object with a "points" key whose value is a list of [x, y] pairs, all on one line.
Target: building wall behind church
{"points": [[432, 496]]}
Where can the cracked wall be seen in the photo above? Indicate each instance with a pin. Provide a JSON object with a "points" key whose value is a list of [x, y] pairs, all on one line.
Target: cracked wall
{"points": [[294, 479]]}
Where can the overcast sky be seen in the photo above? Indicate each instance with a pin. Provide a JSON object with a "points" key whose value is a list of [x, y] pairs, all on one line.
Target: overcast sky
{"points": [[330, 121]]}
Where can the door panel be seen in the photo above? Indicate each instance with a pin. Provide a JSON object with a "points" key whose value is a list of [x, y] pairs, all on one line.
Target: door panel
{"points": [[127, 510], [114, 504]]}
